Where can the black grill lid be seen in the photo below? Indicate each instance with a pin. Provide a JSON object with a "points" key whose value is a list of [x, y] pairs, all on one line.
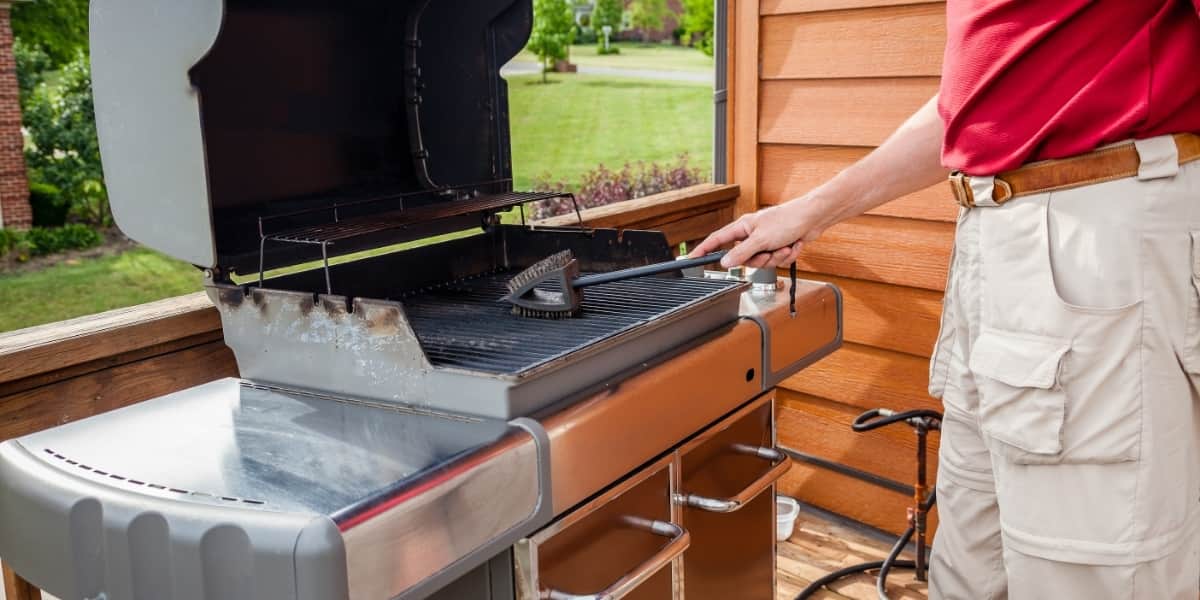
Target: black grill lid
{"points": [[376, 106]]}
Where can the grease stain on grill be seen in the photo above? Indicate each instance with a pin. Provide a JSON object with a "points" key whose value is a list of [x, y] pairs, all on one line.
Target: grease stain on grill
{"points": [[307, 305], [231, 296], [154, 486], [332, 306]]}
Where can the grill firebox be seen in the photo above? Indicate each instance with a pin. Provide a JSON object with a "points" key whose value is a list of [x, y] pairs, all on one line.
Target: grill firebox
{"points": [[427, 326]]}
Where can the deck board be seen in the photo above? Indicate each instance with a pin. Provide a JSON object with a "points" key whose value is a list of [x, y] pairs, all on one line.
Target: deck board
{"points": [[821, 545]]}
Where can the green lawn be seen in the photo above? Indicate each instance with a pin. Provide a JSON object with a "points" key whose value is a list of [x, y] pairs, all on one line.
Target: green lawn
{"points": [[565, 127], [633, 55], [64, 291], [576, 122]]}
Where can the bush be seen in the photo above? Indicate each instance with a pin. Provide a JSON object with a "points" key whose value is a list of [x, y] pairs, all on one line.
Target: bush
{"points": [[9, 239], [604, 186], [698, 25], [61, 147], [49, 207], [40, 241], [585, 35]]}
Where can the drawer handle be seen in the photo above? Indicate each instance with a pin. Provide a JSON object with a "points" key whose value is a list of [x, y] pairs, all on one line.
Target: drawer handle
{"points": [[780, 463], [680, 539]]}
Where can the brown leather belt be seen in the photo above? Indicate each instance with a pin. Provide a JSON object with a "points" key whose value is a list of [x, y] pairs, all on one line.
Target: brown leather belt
{"points": [[1113, 162]]}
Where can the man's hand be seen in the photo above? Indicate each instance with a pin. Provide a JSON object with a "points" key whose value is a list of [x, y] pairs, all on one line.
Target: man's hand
{"points": [[909, 160], [771, 237]]}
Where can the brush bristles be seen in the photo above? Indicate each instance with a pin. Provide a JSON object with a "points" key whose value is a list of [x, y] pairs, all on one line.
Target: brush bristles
{"points": [[522, 311], [539, 269]]}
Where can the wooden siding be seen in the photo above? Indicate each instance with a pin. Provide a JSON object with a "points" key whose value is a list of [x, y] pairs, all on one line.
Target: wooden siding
{"points": [[835, 78]]}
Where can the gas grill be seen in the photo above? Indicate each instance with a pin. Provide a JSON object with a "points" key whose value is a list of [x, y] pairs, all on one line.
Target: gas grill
{"points": [[341, 171]]}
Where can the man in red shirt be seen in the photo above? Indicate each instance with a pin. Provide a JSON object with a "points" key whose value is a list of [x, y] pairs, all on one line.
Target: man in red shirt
{"points": [[1068, 360]]}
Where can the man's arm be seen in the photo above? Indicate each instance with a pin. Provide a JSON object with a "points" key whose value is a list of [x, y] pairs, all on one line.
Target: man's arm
{"points": [[909, 160]]}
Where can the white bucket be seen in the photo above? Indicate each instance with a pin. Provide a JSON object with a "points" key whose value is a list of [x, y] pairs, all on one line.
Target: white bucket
{"points": [[786, 511]]}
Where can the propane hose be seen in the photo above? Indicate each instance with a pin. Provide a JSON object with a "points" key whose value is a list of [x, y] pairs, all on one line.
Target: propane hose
{"points": [[922, 421]]}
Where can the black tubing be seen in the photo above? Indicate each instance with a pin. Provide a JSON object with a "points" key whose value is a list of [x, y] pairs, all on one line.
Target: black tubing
{"points": [[881, 581], [878, 417]]}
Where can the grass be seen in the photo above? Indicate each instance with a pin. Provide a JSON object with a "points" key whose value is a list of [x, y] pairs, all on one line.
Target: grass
{"points": [[566, 128], [91, 286], [634, 55], [576, 122]]}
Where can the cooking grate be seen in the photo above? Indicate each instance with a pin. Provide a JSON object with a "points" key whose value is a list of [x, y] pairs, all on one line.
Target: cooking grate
{"points": [[463, 324], [335, 226]]}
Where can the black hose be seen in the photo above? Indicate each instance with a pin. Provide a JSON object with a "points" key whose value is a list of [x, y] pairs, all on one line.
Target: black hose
{"points": [[884, 566], [874, 419], [881, 581]]}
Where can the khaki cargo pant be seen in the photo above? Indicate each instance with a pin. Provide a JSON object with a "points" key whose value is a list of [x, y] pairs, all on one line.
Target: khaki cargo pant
{"points": [[1068, 363]]}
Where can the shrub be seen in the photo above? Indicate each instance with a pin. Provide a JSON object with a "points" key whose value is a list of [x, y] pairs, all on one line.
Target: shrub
{"points": [[585, 35], [698, 24], [648, 15], [8, 241], [49, 207], [61, 148], [602, 185], [39, 241]]}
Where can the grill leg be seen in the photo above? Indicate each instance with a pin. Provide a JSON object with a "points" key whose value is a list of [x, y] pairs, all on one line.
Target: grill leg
{"points": [[16, 588]]}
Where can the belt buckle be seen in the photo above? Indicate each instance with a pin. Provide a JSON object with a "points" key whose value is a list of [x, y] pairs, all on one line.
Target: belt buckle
{"points": [[962, 190]]}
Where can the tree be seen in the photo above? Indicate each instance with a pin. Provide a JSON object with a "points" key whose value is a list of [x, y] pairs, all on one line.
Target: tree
{"points": [[647, 15], [698, 24], [57, 27], [610, 13], [553, 31], [62, 150]]}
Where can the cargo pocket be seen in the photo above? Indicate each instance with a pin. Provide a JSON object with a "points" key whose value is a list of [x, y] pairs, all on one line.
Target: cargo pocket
{"points": [[1021, 402], [1047, 400], [1191, 341]]}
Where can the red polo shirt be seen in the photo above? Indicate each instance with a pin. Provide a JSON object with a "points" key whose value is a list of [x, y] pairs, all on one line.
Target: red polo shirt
{"points": [[1027, 80]]}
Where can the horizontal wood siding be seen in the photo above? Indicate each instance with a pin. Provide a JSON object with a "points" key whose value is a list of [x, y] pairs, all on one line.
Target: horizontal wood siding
{"points": [[893, 41], [790, 170], [836, 78], [839, 112]]}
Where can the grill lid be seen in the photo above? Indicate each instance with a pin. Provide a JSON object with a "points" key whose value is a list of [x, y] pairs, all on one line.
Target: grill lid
{"points": [[214, 114]]}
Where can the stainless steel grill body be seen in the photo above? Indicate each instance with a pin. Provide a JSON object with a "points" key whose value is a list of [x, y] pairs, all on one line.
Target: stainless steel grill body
{"points": [[234, 491]]}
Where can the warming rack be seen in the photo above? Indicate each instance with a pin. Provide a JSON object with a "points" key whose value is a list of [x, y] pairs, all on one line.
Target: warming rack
{"points": [[467, 200]]}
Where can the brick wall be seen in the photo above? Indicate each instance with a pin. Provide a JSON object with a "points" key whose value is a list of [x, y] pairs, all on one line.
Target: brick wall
{"points": [[14, 187]]}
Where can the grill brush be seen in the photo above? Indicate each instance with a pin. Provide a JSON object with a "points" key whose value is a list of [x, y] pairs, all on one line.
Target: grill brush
{"points": [[561, 270]]}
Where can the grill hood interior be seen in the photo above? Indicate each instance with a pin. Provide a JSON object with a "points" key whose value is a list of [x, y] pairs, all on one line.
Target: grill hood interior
{"points": [[214, 113]]}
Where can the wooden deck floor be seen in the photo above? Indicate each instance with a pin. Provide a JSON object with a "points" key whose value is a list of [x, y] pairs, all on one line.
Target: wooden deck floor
{"points": [[822, 545]]}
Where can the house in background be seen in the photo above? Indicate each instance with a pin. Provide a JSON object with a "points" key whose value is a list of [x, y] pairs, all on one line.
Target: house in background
{"points": [[15, 212]]}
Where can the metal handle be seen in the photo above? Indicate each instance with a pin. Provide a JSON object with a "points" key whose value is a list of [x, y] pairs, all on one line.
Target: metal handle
{"points": [[654, 269], [680, 539], [780, 463]]}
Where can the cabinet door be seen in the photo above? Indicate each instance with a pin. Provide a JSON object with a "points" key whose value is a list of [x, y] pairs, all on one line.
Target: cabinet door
{"points": [[622, 544], [728, 495]]}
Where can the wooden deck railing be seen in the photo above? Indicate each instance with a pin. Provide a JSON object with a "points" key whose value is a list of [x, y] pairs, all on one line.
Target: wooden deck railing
{"points": [[61, 372]]}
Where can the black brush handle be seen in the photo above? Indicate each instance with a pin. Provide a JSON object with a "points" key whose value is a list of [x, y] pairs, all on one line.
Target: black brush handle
{"points": [[655, 269]]}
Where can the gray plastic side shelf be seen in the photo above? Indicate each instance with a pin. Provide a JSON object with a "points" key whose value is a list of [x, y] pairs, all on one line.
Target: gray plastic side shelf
{"points": [[79, 539]]}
